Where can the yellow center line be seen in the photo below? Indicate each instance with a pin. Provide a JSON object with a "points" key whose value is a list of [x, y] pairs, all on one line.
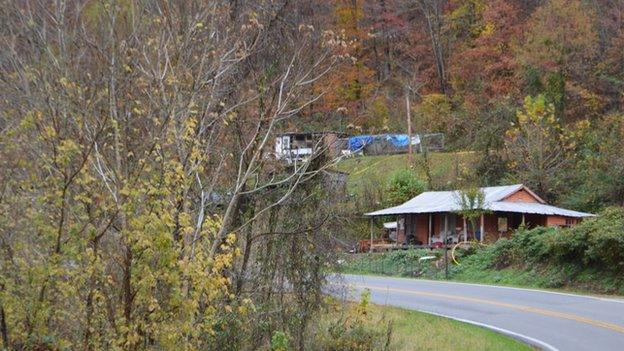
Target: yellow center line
{"points": [[544, 312]]}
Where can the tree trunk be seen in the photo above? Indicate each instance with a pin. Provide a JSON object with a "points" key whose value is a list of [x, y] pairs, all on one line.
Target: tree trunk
{"points": [[4, 329]]}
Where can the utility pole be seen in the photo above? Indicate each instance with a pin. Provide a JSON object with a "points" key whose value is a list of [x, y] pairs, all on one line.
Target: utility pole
{"points": [[409, 127], [371, 235], [446, 264]]}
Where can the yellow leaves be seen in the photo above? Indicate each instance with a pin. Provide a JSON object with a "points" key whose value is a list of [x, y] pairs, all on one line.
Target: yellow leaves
{"points": [[153, 305], [65, 82], [138, 108], [488, 30], [125, 191], [28, 122], [67, 149], [245, 306], [84, 198], [230, 239], [229, 118], [48, 132], [537, 111]]}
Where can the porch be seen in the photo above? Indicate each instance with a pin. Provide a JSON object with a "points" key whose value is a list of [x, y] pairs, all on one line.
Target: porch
{"points": [[447, 227]]}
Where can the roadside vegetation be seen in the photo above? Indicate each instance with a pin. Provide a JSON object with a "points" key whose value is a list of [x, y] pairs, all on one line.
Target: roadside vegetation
{"points": [[586, 258], [364, 326]]}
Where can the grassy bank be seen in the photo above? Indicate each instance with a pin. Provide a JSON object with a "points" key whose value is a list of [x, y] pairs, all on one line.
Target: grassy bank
{"points": [[586, 258], [421, 331], [443, 167], [391, 328]]}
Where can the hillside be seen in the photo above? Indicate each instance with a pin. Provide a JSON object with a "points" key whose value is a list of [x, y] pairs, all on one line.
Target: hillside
{"points": [[445, 168]]}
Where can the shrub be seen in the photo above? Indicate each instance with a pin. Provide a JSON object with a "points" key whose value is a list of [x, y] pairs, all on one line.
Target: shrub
{"points": [[530, 244], [605, 239], [503, 254], [279, 341], [562, 245], [356, 331], [598, 242], [402, 186]]}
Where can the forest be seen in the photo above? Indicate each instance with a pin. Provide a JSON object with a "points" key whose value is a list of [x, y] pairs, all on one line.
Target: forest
{"points": [[534, 87], [139, 209]]}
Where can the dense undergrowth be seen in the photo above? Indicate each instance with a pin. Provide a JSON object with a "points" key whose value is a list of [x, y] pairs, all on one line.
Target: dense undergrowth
{"points": [[588, 257]]}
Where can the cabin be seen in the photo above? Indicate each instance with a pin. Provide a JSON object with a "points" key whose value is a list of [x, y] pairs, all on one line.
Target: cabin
{"points": [[295, 147], [431, 218]]}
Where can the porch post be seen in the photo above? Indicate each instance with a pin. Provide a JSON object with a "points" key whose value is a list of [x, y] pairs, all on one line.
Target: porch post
{"points": [[445, 227], [523, 224], [482, 229], [398, 228], [370, 249], [430, 222], [465, 229]]}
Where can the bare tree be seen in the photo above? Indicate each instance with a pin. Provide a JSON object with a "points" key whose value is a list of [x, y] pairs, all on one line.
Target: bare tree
{"points": [[434, 15], [120, 124]]}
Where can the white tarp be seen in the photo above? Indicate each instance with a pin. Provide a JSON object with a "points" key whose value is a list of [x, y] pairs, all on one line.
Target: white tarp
{"points": [[390, 225]]}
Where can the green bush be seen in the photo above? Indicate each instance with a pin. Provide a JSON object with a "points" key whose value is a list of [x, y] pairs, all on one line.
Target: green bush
{"points": [[503, 254], [279, 341], [402, 186], [563, 245], [596, 241], [605, 239]]}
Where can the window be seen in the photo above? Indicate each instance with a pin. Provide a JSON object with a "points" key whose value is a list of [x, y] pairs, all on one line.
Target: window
{"points": [[502, 224]]}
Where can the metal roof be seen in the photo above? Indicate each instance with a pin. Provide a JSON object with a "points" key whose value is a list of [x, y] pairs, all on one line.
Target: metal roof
{"points": [[447, 201], [528, 207]]}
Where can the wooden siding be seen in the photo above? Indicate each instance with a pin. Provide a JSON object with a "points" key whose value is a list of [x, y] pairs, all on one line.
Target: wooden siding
{"points": [[416, 225], [561, 221], [422, 228], [521, 196]]}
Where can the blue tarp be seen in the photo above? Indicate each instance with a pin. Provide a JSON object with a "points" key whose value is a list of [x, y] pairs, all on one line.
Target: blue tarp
{"points": [[398, 140], [356, 143]]}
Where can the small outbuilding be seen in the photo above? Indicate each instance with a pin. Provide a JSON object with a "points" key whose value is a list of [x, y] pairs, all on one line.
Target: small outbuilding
{"points": [[294, 147], [432, 217]]}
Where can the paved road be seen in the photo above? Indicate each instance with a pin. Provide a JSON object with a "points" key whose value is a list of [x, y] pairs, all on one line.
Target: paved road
{"points": [[549, 320]]}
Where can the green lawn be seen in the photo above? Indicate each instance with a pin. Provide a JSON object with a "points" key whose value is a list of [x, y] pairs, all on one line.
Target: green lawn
{"points": [[445, 167]]}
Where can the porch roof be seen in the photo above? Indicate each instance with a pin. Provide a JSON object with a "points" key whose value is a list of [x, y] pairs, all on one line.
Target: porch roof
{"points": [[447, 201]]}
